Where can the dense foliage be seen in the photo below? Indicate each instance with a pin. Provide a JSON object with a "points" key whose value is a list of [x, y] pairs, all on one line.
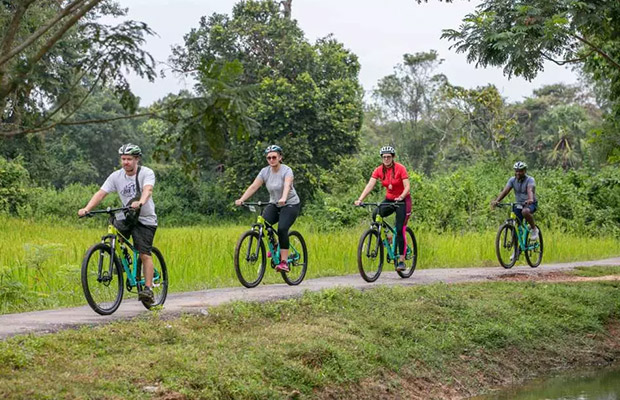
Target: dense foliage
{"points": [[260, 81]]}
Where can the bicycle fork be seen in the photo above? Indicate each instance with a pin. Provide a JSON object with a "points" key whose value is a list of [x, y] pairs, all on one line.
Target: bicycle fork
{"points": [[101, 276]]}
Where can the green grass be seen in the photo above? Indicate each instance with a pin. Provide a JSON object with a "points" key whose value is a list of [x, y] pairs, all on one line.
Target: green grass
{"points": [[40, 262], [337, 341], [596, 271]]}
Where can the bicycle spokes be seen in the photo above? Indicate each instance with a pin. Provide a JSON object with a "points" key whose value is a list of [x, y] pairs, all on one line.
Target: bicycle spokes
{"points": [[250, 259], [101, 280]]}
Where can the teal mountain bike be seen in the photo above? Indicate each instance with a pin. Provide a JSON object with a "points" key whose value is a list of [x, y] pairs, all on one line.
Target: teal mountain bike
{"points": [[513, 238], [380, 237], [105, 262], [251, 256]]}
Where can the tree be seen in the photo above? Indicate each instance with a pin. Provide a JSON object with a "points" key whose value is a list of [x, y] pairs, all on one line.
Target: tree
{"points": [[409, 93], [487, 126], [54, 54], [308, 98], [521, 36], [407, 101]]}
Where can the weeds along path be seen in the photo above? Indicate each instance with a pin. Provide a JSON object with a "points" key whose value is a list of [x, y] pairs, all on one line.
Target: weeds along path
{"points": [[199, 302]]}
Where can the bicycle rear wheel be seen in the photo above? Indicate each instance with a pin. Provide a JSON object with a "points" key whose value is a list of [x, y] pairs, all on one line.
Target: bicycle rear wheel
{"points": [[534, 250], [411, 255], [160, 278], [250, 259], [102, 285], [298, 259], [506, 245], [370, 255]]}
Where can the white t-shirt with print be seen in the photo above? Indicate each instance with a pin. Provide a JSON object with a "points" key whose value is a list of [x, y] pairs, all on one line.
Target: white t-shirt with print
{"points": [[125, 186]]}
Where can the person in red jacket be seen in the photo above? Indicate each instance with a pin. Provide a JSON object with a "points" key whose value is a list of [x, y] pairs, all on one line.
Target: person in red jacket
{"points": [[396, 181]]}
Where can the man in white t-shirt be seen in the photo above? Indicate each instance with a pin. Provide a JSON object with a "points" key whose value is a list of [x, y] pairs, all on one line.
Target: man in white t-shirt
{"points": [[123, 181]]}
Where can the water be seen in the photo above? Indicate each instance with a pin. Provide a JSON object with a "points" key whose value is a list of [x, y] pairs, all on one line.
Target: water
{"points": [[595, 385]]}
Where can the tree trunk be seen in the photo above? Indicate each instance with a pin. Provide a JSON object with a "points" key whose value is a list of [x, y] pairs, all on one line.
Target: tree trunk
{"points": [[286, 8]]}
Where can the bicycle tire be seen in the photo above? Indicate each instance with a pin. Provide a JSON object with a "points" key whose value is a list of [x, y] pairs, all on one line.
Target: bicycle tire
{"points": [[367, 256], [243, 271], [160, 279], [528, 252], [410, 261], [506, 239], [109, 291], [297, 269]]}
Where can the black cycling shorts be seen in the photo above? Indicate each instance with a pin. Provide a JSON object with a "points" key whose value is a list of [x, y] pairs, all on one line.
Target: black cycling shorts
{"points": [[143, 236]]}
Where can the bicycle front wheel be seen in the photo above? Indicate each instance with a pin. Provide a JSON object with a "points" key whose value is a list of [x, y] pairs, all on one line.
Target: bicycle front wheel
{"points": [[534, 250], [297, 259], [370, 255], [160, 278], [250, 259], [102, 282], [506, 245], [411, 255]]}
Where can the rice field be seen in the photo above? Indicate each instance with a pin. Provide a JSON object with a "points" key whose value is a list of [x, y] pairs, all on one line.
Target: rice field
{"points": [[40, 261]]}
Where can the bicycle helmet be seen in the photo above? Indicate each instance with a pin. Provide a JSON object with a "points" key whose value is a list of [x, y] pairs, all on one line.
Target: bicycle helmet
{"points": [[130, 149], [387, 150], [273, 147], [520, 165]]}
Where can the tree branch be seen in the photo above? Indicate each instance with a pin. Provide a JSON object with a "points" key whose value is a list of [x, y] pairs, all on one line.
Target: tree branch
{"points": [[7, 88], [563, 62], [39, 32], [11, 31], [56, 37], [82, 122], [597, 49]]}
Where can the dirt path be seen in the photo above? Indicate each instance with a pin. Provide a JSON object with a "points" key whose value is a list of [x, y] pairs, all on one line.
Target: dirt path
{"points": [[198, 302]]}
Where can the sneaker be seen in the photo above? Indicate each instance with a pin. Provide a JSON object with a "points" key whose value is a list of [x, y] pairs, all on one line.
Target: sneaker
{"points": [[283, 266], [534, 234], [146, 296], [401, 267]]}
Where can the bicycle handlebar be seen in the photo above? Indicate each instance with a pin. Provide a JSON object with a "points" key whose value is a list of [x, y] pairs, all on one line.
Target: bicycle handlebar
{"points": [[379, 204], [106, 211], [256, 203], [509, 204]]}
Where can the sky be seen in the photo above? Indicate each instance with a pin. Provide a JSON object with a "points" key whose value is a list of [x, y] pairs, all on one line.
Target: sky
{"points": [[379, 33]]}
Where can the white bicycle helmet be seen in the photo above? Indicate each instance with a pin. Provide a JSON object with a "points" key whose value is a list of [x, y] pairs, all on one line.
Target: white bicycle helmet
{"points": [[520, 165], [273, 147], [387, 150], [130, 149]]}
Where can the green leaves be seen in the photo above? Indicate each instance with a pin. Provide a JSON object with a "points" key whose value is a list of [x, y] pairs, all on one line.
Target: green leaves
{"points": [[305, 97]]}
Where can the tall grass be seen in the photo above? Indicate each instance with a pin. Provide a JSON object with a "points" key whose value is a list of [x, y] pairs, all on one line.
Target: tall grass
{"points": [[40, 261]]}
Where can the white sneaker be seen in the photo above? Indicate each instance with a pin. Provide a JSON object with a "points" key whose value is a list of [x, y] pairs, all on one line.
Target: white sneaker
{"points": [[534, 234]]}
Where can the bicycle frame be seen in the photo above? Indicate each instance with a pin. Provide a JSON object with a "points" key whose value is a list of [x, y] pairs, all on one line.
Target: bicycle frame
{"points": [[261, 226], [382, 226], [119, 250], [522, 230]]}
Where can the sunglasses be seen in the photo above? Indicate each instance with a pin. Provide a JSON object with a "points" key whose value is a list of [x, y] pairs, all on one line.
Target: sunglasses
{"points": [[272, 158]]}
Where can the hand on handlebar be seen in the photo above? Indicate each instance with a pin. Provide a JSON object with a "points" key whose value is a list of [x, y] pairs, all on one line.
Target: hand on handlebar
{"points": [[357, 202], [238, 202], [82, 212], [494, 204]]}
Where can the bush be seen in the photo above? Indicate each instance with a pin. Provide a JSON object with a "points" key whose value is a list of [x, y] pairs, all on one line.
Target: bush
{"points": [[14, 181]]}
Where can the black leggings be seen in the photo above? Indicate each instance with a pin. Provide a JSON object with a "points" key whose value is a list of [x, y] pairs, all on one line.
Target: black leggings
{"points": [[284, 216], [403, 212]]}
